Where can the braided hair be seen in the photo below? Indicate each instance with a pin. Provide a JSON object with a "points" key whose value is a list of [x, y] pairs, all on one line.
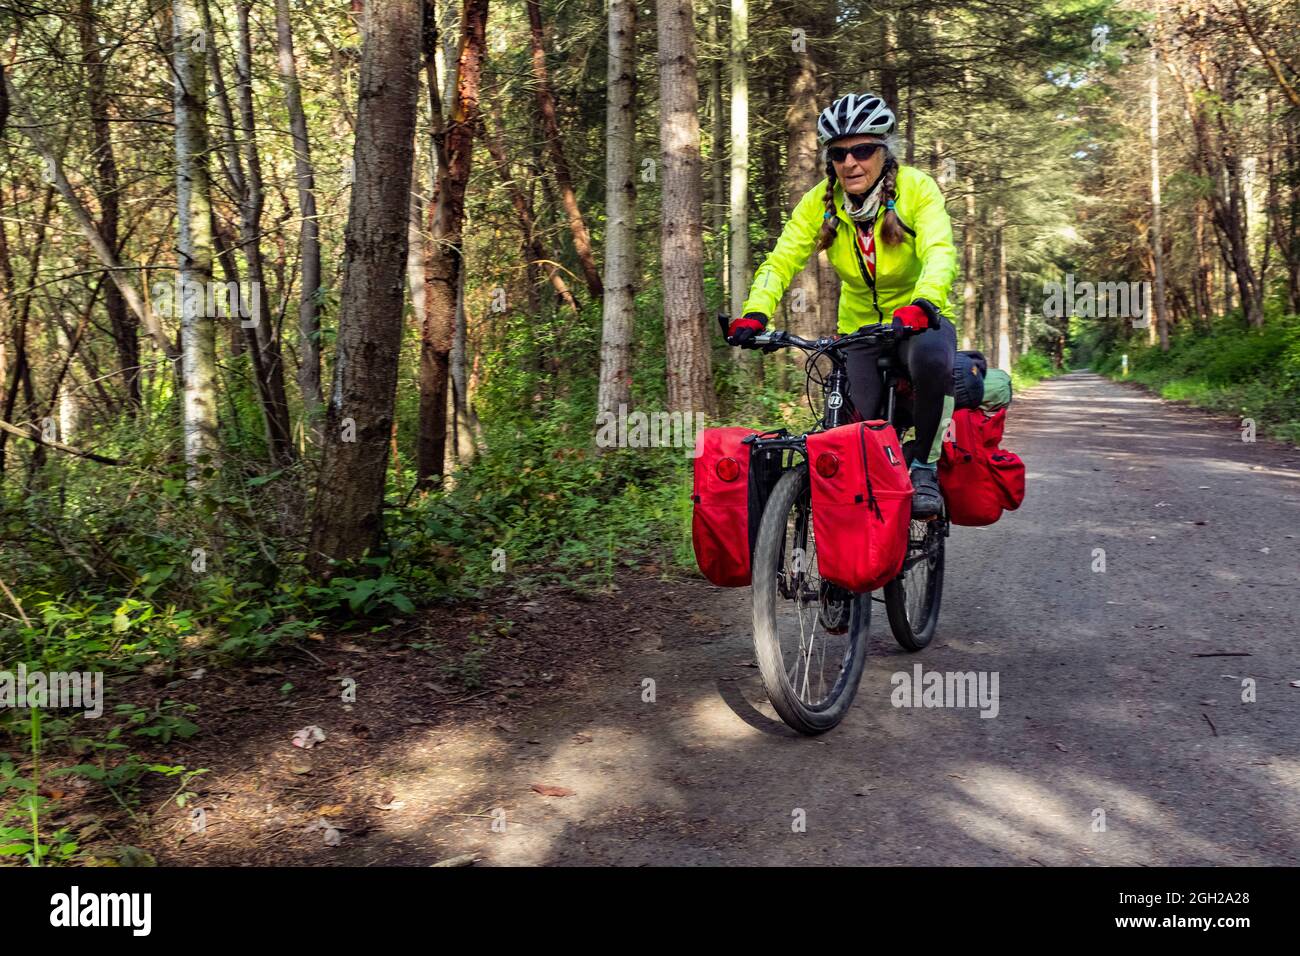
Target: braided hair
{"points": [[891, 227]]}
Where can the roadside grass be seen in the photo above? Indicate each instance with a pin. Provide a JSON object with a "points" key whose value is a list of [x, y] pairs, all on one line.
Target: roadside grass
{"points": [[1032, 368]]}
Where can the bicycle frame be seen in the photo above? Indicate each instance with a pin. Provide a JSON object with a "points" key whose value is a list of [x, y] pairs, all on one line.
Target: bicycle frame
{"points": [[834, 387]]}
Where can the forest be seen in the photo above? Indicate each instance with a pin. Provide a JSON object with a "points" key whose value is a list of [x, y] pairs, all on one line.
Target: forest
{"points": [[314, 317]]}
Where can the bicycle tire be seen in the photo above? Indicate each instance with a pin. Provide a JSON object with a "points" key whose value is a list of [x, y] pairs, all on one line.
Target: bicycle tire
{"points": [[791, 493], [913, 616]]}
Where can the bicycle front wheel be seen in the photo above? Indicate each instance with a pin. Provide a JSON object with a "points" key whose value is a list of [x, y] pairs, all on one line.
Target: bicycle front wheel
{"points": [[810, 636]]}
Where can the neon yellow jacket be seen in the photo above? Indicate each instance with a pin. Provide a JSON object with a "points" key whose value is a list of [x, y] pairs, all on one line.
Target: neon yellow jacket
{"points": [[922, 266]]}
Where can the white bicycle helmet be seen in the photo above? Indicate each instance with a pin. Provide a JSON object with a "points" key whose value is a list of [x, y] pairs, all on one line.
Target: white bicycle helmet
{"points": [[855, 114]]}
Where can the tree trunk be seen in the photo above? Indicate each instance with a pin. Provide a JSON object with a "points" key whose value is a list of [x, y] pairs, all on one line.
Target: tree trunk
{"points": [[988, 295], [1204, 281], [828, 280], [348, 514], [464, 420], [1013, 318], [803, 172], [1218, 162], [262, 335], [738, 211], [1002, 317], [416, 254], [124, 326], [551, 129], [309, 235], [689, 372], [717, 157], [22, 369], [446, 249], [1157, 231], [194, 241], [888, 61], [968, 260], [620, 212]]}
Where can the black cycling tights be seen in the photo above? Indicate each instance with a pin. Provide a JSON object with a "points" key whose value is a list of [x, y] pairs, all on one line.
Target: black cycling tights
{"points": [[928, 359]]}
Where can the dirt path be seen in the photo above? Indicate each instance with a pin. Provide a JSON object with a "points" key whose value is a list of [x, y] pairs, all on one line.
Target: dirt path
{"points": [[1104, 705]]}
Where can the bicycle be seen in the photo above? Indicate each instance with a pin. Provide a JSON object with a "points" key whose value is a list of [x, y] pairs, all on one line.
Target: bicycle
{"points": [[785, 564]]}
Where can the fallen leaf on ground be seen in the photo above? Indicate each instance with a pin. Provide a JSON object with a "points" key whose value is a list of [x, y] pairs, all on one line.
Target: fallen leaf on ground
{"points": [[547, 790], [308, 737], [332, 835], [581, 739], [332, 810], [1061, 748]]}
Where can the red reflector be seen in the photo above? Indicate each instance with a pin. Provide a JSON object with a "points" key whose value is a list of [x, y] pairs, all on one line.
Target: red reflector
{"points": [[827, 465], [728, 469]]}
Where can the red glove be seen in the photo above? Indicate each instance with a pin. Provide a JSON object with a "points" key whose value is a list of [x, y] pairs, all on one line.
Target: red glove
{"points": [[912, 317], [920, 315], [743, 330]]}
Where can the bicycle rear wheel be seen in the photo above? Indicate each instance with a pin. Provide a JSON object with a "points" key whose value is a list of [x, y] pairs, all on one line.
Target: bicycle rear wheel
{"points": [[810, 637], [913, 598]]}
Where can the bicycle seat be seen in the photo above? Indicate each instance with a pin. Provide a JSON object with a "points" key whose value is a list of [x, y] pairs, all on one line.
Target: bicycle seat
{"points": [[885, 361]]}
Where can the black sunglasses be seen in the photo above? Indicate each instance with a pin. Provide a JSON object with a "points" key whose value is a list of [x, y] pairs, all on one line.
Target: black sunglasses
{"points": [[860, 151]]}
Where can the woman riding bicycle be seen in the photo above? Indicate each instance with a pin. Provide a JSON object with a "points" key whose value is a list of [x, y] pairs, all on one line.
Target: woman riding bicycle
{"points": [[891, 244]]}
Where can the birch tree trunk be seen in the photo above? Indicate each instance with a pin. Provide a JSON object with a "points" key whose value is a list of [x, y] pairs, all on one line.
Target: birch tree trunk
{"points": [[194, 240], [348, 513], [689, 373], [620, 212]]}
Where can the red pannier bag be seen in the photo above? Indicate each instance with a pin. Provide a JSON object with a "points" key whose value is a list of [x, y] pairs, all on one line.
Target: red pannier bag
{"points": [[978, 479], [861, 504], [732, 484]]}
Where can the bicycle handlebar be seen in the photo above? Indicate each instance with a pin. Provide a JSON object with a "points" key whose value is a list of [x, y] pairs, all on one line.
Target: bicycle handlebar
{"points": [[879, 334]]}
